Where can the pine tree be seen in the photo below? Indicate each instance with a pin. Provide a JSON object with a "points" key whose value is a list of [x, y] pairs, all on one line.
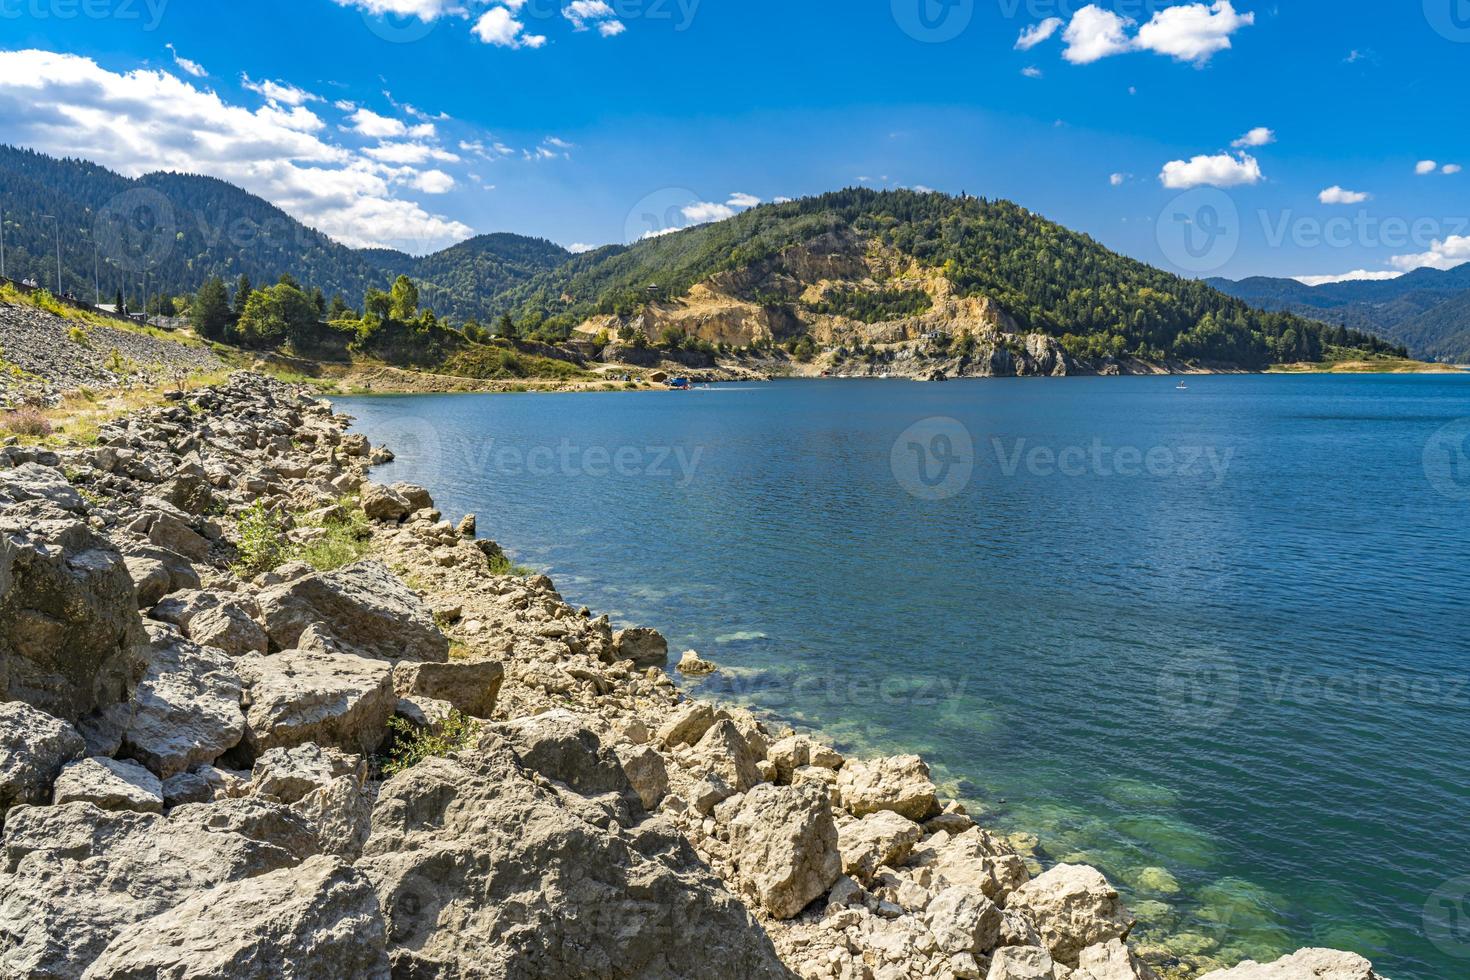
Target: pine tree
{"points": [[211, 311], [242, 294]]}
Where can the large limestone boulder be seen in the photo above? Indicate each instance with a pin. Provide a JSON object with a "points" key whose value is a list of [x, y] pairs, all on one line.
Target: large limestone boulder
{"points": [[559, 745], [318, 920], [646, 771], [899, 783], [75, 876], [363, 605], [213, 619], [288, 775], [724, 753], [186, 710], [470, 687], [978, 859], [1112, 960], [382, 503], [336, 700], [1304, 964], [70, 636], [33, 749], [32, 481], [480, 871], [783, 843], [1073, 907], [110, 784], [877, 840], [645, 647], [795, 751], [688, 723], [963, 921], [1022, 963]]}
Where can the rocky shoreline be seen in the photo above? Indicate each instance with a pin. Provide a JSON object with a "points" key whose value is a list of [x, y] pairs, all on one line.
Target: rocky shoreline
{"points": [[261, 716]]}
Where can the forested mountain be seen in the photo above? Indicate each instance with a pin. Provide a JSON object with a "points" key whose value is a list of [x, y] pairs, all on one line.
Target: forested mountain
{"points": [[1046, 278], [925, 262], [177, 230], [1425, 310]]}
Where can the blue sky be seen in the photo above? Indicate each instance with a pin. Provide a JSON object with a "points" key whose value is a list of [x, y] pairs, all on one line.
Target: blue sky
{"points": [[1234, 138]]}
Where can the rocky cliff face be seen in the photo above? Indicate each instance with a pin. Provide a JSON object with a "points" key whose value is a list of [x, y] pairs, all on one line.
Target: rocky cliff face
{"points": [[191, 786]]}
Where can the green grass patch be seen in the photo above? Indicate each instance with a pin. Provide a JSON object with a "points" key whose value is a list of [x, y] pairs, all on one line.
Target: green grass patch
{"points": [[493, 362], [501, 565]]}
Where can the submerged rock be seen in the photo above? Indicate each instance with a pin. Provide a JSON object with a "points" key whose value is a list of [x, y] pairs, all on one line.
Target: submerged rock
{"points": [[1304, 964]]}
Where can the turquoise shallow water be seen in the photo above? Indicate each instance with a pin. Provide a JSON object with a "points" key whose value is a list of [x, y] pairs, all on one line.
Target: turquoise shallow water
{"points": [[1213, 641]]}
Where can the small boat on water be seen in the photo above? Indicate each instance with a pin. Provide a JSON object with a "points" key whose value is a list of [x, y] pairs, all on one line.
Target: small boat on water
{"points": [[1181, 386], [679, 384]]}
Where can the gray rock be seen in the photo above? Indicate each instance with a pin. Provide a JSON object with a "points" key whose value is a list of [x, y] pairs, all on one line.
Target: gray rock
{"points": [[33, 749], [1021, 963], [341, 701], [318, 920], [899, 783], [381, 503], [186, 710], [647, 773], [645, 647], [159, 572], [963, 920], [783, 843], [110, 784], [1073, 907], [31, 481], [481, 872], [877, 840], [286, 775], [70, 636], [75, 876], [214, 619], [1304, 964], [560, 746], [364, 605], [470, 687]]}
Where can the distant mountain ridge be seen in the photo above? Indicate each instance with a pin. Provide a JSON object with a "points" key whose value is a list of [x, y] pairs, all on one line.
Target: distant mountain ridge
{"points": [[845, 271], [1427, 310], [177, 230]]}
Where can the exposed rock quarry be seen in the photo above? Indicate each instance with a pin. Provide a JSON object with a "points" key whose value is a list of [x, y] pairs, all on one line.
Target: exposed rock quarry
{"points": [[199, 772]]}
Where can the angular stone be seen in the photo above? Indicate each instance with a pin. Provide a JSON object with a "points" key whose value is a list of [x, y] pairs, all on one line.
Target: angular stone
{"points": [[110, 784], [382, 503], [879, 839], [31, 481], [75, 876], [481, 872], [1304, 964], [1021, 963], [363, 605], [319, 920], [34, 747], [286, 775], [899, 783], [1073, 907], [688, 723], [724, 752], [559, 745], [341, 701], [784, 846], [1113, 960], [963, 921], [470, 687], [70, 636], [645, 647], [647, 772], [186, 710]]}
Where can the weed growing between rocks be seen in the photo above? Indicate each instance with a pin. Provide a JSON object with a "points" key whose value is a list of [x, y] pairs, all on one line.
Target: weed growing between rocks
{"points": [[345, 541], [408, 745], [26, 422], [264, 544], [501, 565]]}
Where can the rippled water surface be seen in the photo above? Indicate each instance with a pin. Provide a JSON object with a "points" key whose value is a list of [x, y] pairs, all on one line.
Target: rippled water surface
{"points": [[1213, 641]]}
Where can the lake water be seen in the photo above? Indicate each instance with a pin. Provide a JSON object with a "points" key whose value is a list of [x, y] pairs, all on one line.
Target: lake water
{"points": [[1213, 641]]}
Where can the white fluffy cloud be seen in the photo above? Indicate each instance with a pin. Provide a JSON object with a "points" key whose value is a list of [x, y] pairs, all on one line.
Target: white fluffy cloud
{"points": [[365, 122], [408, 154], [1037, 33], [425, 10], [1221, 170], [142, 121], [192, 67], [1094, 34], [1031, 71], [1118, 180], [1445, 253], [1260, 136], [499, 26], [1357, 275], [578, 248], [433, 182], [282, 92], [1425, 167], [740, 200], [1339, 195], [1192, 32], [589, 13], [1451, 168], [703, 211]]}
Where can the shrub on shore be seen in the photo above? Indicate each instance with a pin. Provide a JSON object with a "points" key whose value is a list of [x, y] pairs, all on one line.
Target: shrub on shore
{"points": [[26, 422], [411, 744]]}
